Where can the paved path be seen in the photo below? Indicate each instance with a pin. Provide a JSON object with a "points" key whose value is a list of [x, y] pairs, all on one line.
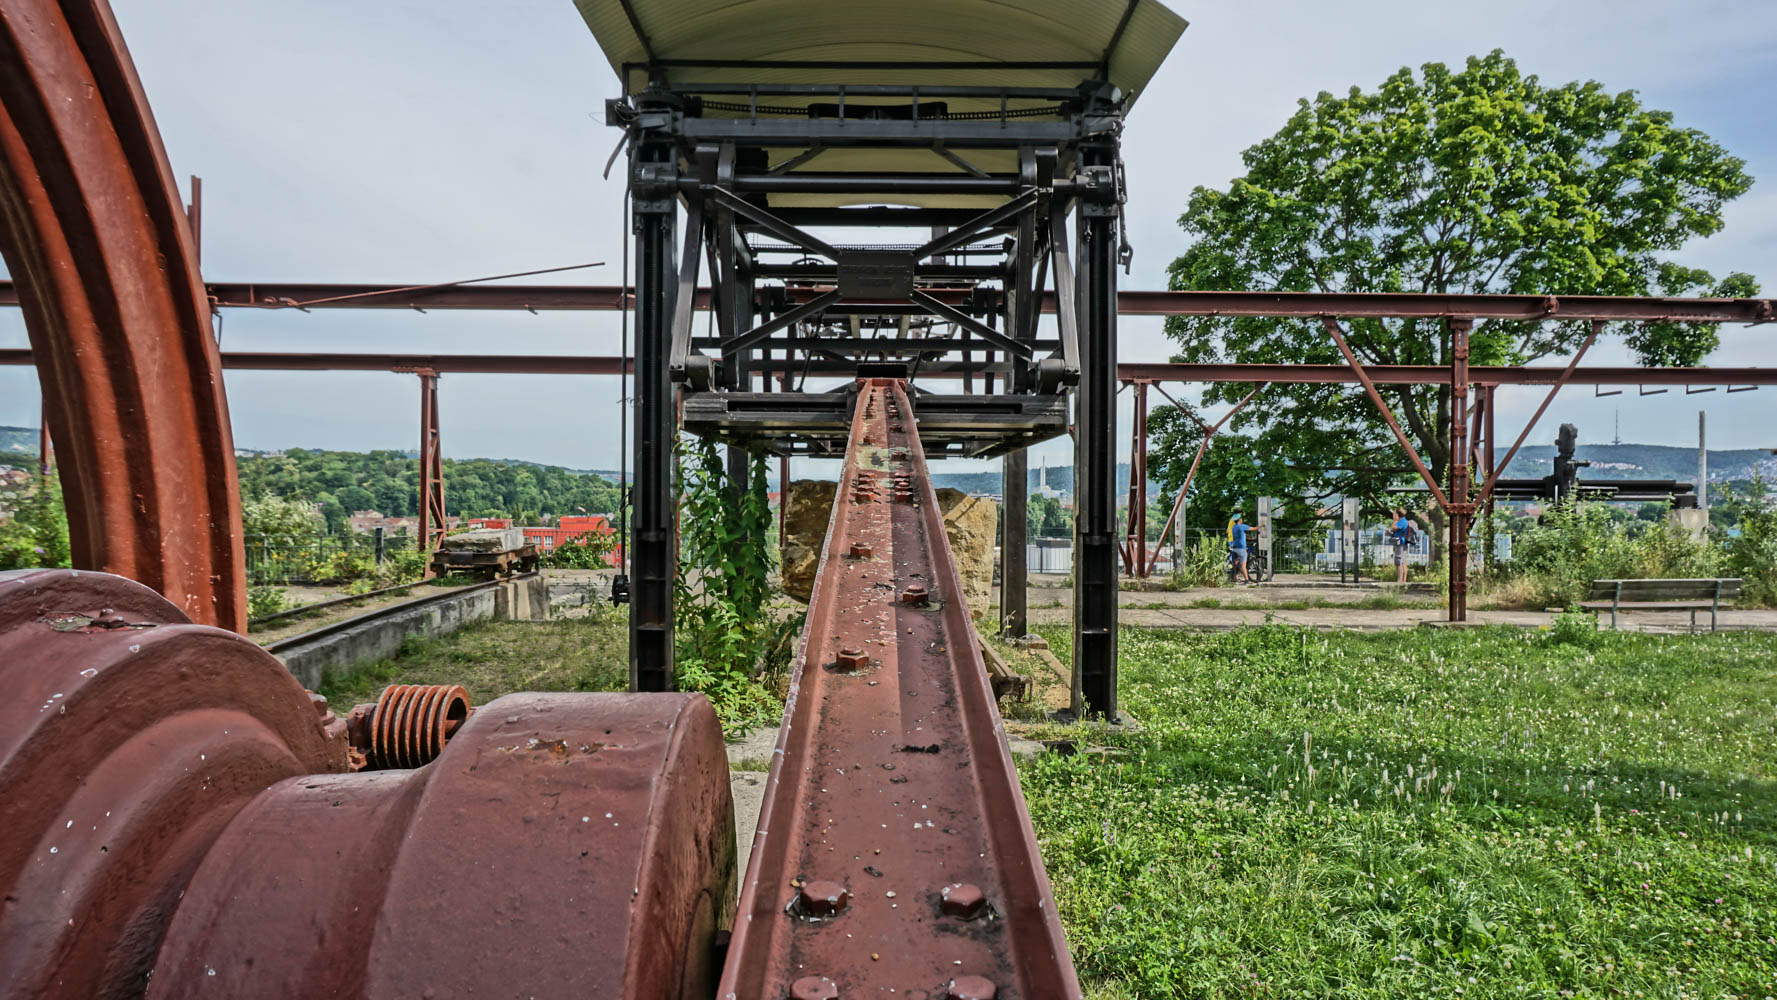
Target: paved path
{"points": [[1363, 618]]}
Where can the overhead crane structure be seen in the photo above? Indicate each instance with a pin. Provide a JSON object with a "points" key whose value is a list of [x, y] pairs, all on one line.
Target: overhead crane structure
{"points": [[561, 845], [986, 183]]}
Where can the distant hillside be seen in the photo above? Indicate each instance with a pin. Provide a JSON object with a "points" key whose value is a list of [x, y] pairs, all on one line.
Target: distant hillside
{"points": [[388, 481], [1645, 461], [19, 439], [1060, 477]]}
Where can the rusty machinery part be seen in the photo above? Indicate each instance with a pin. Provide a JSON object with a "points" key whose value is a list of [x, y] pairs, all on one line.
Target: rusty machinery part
{"points": [[409, 725], [173, 801], [129, 737], [894, 850], [92, 229], [562, 845]]}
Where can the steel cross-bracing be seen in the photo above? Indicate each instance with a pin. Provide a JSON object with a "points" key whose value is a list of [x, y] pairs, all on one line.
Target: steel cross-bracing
{"points": [[894, 852], [954, 288]]}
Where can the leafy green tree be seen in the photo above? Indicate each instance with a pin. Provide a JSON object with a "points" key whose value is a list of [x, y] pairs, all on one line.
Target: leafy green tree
{"points": [[1482, 179], [281, 518], [37, 533]]}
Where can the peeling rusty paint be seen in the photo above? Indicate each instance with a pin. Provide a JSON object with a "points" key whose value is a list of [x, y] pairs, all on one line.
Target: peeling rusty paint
{"points": [[891, 786]]}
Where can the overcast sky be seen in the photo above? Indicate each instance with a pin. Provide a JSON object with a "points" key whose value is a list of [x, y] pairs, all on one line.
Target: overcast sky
{"points": [[412, 141]]}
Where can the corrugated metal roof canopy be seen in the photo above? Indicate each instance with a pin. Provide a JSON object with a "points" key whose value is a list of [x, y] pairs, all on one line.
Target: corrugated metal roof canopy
{"points": [[1026, 43]]}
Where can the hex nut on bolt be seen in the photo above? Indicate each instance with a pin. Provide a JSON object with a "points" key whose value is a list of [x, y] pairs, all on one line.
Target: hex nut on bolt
{"points": [[821, 899], [963, 900], [814, 988], [915, 595], [971, 988], [852, 659]]}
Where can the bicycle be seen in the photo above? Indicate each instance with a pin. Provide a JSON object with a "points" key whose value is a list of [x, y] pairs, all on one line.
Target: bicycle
{"points": [[1258, 567]]}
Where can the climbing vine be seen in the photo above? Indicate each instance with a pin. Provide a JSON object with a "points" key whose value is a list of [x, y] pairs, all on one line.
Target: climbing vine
{"points": [[726, 644]]}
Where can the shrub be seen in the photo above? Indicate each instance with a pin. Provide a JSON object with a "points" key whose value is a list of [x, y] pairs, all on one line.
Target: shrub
{"points": [[1574, 627], [262, 601], [342, 567], [1205, 565], [585, 552], [280, 519], [406, 566], [1576, 544], [722, 634], [1752, 554]]}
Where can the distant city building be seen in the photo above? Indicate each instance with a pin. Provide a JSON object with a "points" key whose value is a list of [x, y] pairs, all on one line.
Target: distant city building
{"points": [[1043, 488], [573, 526], [367, 521]]}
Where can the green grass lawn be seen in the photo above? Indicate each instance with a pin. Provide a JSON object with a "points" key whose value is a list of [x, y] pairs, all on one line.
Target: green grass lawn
{"points": [[1423, 813], [494, 658]]}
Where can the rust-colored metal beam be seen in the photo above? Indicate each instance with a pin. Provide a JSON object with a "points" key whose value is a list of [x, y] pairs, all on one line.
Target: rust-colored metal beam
{"points": [[547, 298], [1440, 374], [93, 229], [1565, 377], [433, 523], [1407, 305], [1209, 431], [1394, 425], [1461, 511], [1135, 535], [894, 852], [567, 364]]}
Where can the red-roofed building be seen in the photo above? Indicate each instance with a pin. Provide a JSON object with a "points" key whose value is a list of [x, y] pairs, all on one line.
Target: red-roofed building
{"points": [[573, 526]]}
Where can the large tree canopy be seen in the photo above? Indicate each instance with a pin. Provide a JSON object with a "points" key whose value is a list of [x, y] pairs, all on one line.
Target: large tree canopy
{"points": [[1482, 180]]}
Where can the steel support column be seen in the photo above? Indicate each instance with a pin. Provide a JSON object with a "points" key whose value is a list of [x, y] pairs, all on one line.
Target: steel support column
{"points": [[43, 445], [432, 518], [1135, 560], [1489, 555], [1014, 573], [653, 555], [1460, 510], [1095, 457]]}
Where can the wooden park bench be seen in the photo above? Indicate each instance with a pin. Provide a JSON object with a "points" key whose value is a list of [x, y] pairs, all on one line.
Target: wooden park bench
{"points": [[1662, 595]]}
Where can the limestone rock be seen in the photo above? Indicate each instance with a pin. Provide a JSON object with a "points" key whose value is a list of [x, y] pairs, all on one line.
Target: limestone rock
{"points": [[808, 504], [971, 524], [484, 540]]}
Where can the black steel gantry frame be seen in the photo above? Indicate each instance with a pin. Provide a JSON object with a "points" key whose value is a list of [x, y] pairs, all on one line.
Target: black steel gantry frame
{"points": [[1024, 205]]}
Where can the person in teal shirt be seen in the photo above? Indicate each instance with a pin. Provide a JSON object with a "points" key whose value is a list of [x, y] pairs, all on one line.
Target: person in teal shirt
{"points": [[1401, 533], [1238, 529]]}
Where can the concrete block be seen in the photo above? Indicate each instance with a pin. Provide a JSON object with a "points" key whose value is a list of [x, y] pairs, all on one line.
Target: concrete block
{"points": [[485, 540], [522, 600]]}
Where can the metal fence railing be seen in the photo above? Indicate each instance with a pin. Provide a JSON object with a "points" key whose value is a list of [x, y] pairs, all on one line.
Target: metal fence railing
{"points": [[285, 559]]}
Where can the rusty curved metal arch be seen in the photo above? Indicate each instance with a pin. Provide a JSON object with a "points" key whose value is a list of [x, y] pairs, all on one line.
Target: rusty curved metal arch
{"points": [[91, 228]]}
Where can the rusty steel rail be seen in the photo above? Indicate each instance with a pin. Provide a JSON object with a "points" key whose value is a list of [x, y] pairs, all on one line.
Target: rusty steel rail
{"points": [[334, 628], [894, 851], [332, 602]]}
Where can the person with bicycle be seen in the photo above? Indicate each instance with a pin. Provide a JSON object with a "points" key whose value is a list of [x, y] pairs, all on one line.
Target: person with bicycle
{"points": [[1238, 530], [1403, 535]]}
